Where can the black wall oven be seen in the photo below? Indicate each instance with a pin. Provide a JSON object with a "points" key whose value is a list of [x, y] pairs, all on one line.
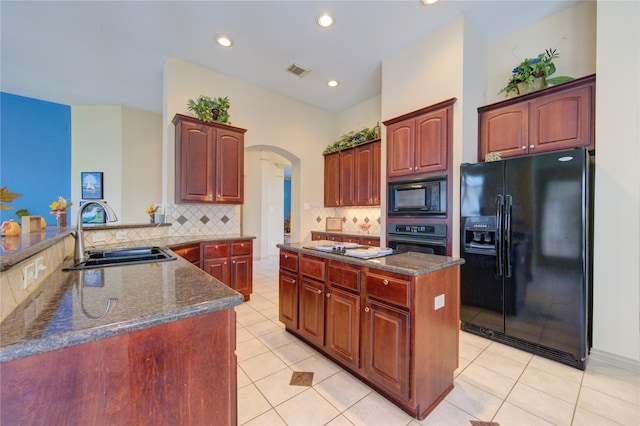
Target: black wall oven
{"points": [[421, 238]]}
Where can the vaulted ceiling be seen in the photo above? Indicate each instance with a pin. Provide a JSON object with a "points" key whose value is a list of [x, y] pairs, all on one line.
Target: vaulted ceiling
{"points": [[113, 52]]}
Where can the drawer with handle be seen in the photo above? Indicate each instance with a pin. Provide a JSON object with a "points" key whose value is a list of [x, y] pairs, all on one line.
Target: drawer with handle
{"points": [[390, 289]]}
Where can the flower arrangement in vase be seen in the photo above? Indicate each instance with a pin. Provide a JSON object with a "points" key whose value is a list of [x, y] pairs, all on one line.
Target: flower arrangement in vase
{"points": [[151, 210], [534, 74], [59, 210]]}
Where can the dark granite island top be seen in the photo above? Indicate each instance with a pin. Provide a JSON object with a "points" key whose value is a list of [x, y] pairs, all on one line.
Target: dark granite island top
{"points": [[76, 307], [409, 263]]}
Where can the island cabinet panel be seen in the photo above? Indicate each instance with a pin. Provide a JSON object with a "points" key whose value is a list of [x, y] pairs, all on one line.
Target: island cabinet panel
{"points": [[311, 310], [288, 299], [209, 162], [178, 373], [557, 118], [397, 333], [342, 337], [386, 347]]}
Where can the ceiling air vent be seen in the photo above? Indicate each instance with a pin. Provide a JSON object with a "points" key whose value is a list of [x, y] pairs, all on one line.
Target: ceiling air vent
{"points": [[298, 70]]}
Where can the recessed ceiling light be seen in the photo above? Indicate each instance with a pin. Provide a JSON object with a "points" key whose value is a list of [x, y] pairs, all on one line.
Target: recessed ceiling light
{"points": [[325, 20], [332, 83], [224, 41], [429, 2]]}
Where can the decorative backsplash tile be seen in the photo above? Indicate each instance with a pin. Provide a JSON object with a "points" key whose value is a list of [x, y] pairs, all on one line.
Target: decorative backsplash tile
{"points": [[352, 219]]}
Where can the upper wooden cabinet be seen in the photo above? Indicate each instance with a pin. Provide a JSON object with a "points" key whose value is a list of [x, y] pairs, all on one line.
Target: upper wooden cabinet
{"points": [[209, 162], [332, 180], [352, 176], [418, 143], [556, 118]]}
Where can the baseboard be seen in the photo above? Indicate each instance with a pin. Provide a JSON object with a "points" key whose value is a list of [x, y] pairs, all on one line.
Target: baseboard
{"points": [[615, 360]]}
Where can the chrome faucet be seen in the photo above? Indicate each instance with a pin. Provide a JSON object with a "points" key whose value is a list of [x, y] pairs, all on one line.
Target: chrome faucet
{"points": [[78, 253]]}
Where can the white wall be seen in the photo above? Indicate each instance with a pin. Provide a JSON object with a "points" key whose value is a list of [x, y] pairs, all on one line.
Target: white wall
{"points": [[572, 32], [617, 211], [141, 163], [96, 146], [365, 114], [273, 120], [125, 144], [425, 73]]}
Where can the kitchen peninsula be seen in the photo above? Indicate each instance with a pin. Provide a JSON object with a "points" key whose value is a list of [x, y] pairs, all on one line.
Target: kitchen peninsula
{"points": [[392, 321], [139, 344]]}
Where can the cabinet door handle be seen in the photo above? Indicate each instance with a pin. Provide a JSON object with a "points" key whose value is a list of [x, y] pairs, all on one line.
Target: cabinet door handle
{"points": [[233, 262], [385, 282], [319, 291], [286, 257], [531, 146], [366, 309], [524, 147], [328, 294]]}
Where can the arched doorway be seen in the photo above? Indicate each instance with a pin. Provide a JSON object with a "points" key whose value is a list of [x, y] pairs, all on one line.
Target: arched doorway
{"points": [[263, 210]]}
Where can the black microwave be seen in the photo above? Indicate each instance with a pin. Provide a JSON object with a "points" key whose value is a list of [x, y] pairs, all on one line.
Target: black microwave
{"points": [[426, 197]]}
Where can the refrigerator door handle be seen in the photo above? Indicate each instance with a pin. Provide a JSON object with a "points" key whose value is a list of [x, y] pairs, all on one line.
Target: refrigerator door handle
{"points": [[507, 232], [499, 236]]}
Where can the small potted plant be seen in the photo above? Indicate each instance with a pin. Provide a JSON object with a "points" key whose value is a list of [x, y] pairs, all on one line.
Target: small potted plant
{"points": [[534, 74], [208, 109], [151, 210]]}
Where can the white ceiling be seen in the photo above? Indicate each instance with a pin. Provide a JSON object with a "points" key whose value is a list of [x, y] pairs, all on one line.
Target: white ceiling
{"points": [[113, 53]]}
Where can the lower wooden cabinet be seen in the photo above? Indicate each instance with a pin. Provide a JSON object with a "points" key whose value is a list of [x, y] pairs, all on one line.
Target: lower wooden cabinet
{"points": [[190, 252], [230, 262], [384, 326], [385, 342]]}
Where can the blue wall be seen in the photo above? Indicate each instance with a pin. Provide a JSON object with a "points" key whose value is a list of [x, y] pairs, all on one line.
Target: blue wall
{"points": [[287, 198], [35, 154]]}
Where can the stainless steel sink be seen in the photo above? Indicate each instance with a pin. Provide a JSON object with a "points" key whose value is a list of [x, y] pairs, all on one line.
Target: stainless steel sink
{"points": [[122, 257]]}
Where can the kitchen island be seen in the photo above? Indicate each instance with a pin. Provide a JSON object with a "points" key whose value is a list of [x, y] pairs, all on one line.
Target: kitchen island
{"points": [[138, 344], [391, 321]]}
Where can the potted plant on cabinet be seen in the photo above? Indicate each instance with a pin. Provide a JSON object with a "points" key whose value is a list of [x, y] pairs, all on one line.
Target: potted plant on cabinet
{"points": [[534, 74], [208, 109]]}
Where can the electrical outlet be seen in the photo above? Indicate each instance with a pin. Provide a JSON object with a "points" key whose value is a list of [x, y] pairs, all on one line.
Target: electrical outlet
{"points": [[194, 230], [98, 237], [28, 275], [122, 235], [39, 266]]}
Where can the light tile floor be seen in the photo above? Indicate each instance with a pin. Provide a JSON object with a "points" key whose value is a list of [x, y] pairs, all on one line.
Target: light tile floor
{"points": [[493, 383]]}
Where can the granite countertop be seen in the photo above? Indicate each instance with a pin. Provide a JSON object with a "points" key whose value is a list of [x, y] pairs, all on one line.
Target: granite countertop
{"points": [[348, 234], [409, 263], [27, 245], [75, 307]]}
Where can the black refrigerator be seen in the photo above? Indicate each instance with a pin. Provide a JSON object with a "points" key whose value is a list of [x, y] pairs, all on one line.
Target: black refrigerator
{"points": [[526, 238]]}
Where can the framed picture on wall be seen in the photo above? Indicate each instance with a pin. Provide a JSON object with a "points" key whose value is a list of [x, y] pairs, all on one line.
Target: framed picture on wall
{"points": [[93, 214], [92, 186]]}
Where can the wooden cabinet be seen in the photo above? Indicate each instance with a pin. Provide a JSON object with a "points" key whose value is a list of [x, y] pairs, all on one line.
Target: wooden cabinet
{"points": [[347, 180], [419, 143], [556, 118], [311, 294], [182, 372], [288, 289], [189, 252], [367, 174], [230, 262], [342, 335], [386, 347], [209, 163], [352, 176], [332, 180], [397, 333]]}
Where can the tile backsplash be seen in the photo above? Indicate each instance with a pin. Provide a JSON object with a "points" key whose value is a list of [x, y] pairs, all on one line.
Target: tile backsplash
{"points": [[352, 219]]}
